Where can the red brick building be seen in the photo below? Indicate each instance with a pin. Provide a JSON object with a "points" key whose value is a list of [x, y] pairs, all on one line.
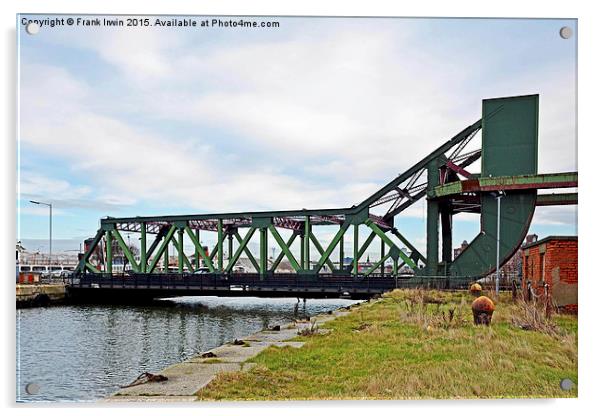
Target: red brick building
{"points": [[552, 260]]}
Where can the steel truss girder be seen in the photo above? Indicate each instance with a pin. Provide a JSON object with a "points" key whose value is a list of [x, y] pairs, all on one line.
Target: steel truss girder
{"points": [[162, 248], [443, 167], [242, 247], [415, 171], [199, 249], [294, 223], [278, 259], [300, 222]]}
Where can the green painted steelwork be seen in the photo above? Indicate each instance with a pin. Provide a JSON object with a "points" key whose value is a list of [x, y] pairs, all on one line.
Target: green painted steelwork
{"points": [[355, 248], [458, 138], [321, 250], [486, 184], [364, 247], [142, 247], [91, 267], [180, 249], [446, 212], [241, 247], [166, 257], [263, 251], [82, 263], [342, 252], [109, 238], [213, 253], [302, 251], [278, 259], [162, 250], [508, 161], [247, 251], [392, 245], [557, 199], [432, 222], [179, 244], [415, 254], [331, 246], [230, 247], [199, 249], [220, 244], [480, 256], [376, 265], [382, 256], [509, 149], [158, 238], [284, 248], [306, 233], [258, 215], [452, 188], [126, 250], [510, 128]]}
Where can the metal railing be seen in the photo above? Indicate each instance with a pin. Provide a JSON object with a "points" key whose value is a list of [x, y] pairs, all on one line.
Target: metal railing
{"points": [[255, 282]]}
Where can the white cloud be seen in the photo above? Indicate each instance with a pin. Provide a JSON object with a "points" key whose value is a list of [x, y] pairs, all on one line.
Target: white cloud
{"points": [[560, 215], [335, 114], [38, 185]]}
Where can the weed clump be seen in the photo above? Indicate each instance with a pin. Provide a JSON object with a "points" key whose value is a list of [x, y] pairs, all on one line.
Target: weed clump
{"points": [[534, 316], [429, 310], [310, 330], [363, 326]]}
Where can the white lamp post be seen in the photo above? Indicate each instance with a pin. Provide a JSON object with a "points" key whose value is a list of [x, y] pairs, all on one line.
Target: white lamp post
{"points": [[50, 237], [497, 262]]}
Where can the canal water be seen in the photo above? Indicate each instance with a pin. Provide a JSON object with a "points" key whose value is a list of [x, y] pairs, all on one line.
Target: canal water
{"points": [[85, 352]]}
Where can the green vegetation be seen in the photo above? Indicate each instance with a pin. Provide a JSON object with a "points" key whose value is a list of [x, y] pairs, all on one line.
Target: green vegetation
{"points": [[414, 344]]}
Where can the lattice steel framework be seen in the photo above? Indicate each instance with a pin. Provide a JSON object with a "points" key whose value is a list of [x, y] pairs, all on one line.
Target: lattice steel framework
{"points": [[508, 124]]}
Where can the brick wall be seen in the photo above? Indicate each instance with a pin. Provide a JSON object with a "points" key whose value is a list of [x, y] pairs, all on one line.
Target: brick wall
{"points": [[553, 262]]}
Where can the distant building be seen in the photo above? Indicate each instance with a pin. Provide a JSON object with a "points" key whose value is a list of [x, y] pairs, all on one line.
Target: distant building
{"points": [[511, 270], [552, 261], [459, 250]]}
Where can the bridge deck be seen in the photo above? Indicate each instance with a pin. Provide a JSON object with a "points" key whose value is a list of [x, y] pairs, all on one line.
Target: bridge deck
{"points": [[105, 286]]}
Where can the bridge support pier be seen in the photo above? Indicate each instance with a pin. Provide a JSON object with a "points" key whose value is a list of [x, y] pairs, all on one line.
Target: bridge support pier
{"points": [[109, 238], [432, 221], [143, 261]]}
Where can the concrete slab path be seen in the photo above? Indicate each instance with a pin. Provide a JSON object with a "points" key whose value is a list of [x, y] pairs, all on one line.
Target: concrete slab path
{"points": [[185, 379]]}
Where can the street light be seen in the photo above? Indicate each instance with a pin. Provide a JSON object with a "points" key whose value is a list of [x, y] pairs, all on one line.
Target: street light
{"points": [[498, 196], [50, 238]]}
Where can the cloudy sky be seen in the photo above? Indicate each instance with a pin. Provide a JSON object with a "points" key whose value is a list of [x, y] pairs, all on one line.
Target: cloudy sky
{"points": [[316, 113]]}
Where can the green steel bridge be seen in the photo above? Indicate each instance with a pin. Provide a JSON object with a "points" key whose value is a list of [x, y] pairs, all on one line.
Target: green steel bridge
{"points": [[508, 166]]}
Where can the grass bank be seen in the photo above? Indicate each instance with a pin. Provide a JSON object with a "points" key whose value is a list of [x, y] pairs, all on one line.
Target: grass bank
{"points": [[409, 345]]}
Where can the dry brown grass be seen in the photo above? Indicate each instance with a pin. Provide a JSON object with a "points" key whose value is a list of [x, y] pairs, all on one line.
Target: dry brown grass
{"points": [[534, 316], [429, 309], [409, 345]]}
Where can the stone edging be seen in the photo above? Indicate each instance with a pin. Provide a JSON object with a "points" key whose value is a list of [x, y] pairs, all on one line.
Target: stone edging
{"points": [[185, 379]]}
